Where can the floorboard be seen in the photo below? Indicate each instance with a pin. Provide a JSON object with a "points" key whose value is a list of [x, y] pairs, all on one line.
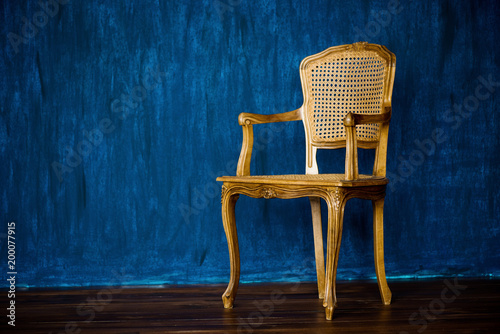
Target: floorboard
{"points": [[441, 306]]}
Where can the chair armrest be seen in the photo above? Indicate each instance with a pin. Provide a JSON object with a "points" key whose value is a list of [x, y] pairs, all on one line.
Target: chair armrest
{"points": [[351, 152], [352, 119], [246, 120]]}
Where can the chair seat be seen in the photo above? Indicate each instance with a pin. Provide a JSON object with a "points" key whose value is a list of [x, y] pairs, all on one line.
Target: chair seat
{"points": [[333, 180]]}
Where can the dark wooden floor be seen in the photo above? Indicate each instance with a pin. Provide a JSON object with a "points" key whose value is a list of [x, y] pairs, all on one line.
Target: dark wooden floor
{"points": [[462, 306]]}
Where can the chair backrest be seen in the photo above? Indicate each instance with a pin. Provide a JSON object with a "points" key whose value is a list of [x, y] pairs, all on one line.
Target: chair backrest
{"points": [[354, 78]]}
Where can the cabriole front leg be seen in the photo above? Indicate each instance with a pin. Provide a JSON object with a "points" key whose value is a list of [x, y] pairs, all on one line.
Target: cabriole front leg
{"points": [[228, 202], [336, 205]]}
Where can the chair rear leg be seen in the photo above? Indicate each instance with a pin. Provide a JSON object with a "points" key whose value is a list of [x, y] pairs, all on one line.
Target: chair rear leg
{"points": [[378, 249], [318, 244]]}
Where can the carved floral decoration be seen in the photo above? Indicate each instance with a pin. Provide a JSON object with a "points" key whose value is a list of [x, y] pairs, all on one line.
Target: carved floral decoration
{"points": [[268, 193]]}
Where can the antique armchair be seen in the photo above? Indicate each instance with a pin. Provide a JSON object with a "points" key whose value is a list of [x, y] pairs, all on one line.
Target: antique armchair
{"points": [[347, 104]]}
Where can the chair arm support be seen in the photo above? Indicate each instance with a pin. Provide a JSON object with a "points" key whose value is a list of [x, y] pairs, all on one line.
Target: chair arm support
{"points": [[246, 120], [351, 153], [246, 151], [352, 119]]}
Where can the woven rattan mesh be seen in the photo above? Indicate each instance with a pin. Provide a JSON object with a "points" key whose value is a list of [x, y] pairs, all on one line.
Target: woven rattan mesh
{"points": [[349, 81]]}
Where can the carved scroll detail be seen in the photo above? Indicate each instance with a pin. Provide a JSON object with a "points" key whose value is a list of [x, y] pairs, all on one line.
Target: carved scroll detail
{"points": [[223, 193], [338, 195], [359, 46]]}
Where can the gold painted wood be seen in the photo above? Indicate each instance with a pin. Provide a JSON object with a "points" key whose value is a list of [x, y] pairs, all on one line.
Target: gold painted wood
{"points": [[246, 120], [249, 118], [378, 249], [338, 180], [351, 151], [347, 103], [228, 203], [336, 204], [318, 245], [350, 122], [243, 167]]}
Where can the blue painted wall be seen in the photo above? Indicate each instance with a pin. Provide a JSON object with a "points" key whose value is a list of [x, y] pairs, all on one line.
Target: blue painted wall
{"points": [[116, 119]]}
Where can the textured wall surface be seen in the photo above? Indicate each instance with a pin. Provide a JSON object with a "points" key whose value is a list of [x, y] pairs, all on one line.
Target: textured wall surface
{"points": [[116, 118]]}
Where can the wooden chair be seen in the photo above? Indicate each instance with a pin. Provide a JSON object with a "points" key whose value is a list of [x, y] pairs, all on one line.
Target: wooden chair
{"points": [[347, 103]]}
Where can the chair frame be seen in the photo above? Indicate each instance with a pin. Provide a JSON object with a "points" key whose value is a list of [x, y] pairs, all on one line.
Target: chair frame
{"points": [[335, 192]]}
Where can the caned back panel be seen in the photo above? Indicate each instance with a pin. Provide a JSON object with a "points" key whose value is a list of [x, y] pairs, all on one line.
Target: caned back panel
{"points": [[350, 78]]}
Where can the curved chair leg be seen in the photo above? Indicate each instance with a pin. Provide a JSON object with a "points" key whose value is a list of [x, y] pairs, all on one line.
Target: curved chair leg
{"points": [[335, 219], [378, 249], [228, 204], [318, 244]]}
